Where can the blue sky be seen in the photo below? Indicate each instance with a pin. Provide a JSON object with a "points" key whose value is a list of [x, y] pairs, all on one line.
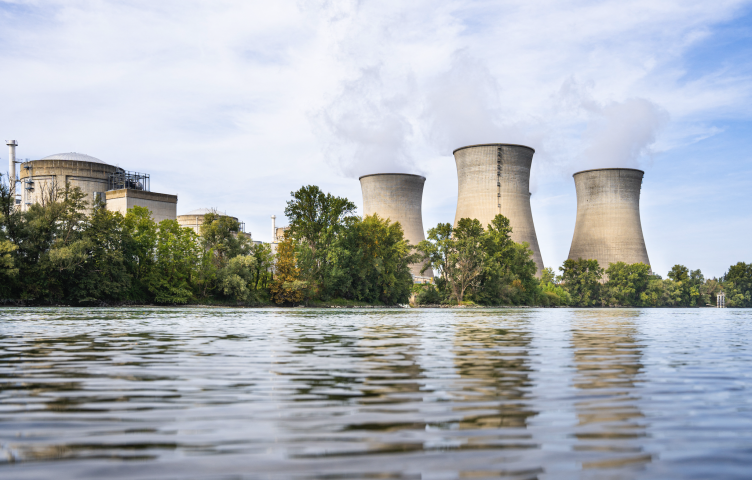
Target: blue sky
{"points": [[233, 104]]}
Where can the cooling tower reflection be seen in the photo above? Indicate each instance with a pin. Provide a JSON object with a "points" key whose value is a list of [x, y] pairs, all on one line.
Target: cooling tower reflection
{"points": [[608, 358], [492, 391]]}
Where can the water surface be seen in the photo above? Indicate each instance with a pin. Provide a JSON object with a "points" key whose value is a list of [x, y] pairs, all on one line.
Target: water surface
{"points": [[146, 393]]}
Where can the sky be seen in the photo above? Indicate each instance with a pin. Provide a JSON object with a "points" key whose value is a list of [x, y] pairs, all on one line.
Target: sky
{"points": [[235, 104]]}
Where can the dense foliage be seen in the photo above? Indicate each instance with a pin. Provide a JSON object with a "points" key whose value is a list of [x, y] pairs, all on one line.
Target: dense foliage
{"points": [[62, 250], [341, 256], [483, 266], [55, 252], [634, 285]]}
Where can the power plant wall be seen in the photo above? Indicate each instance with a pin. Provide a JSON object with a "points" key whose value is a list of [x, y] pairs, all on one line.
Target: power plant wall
{"points": [[608, 227], [493, 179], [398, 197]]}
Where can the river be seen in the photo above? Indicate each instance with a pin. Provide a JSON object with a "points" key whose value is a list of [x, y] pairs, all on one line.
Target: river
{"points": [[163, 393]]}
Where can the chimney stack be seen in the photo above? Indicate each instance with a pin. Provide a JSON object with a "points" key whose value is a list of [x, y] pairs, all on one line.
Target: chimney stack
{"points": [[12, 144], [274, 229]]}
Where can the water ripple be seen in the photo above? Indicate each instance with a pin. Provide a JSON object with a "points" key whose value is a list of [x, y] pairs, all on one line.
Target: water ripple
{"points": [[432, 394]]}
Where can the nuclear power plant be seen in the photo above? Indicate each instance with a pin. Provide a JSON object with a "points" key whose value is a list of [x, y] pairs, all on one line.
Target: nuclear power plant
{"points": [[398, 197], [492, 179], [114, 187], [608, 227], [495, 178]]}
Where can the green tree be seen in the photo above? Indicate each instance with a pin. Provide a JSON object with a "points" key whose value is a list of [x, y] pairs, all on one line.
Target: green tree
{"points": [[581, 278], [8, 270], [139, 251], [457, 254], [287, 287], [548, 276], [737, 283], [264, 263], [176, 263], [103, 276], [236, 278], [370, 262], [686, 288], [679, 273], [509, 271], [316, 219], [626, 283]]}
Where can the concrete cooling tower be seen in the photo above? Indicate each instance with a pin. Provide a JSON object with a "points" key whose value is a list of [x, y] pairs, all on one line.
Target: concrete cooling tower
{"points": [[398, 197], [608, 227], [493, 179]]}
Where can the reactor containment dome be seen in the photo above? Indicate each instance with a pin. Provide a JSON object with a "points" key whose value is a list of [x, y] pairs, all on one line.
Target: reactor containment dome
{"points": [[495, 179], [608, 227], [398, 197]]}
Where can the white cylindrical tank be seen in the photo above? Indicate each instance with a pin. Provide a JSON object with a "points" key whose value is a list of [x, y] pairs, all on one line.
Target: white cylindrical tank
{"points": [[608, 227], [495, 178], [398, 197]]}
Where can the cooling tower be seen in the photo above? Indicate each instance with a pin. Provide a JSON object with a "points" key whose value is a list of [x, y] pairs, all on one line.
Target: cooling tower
{"points": [[398, 197], [493, 179], [608, 227]]}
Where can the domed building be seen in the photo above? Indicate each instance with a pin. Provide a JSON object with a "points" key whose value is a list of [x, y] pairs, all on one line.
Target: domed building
{"points": [[195, 218], [41, 178], [100, 181]]}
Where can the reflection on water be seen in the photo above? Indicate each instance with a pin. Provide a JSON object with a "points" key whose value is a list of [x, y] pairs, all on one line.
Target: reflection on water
{"points": [[493, 388], [608, 361], [430, 394]]}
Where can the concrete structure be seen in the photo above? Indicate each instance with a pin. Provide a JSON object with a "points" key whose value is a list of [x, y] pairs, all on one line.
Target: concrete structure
{"points": [[12, 144], [194, 219], [608, 227], [98, 180], [278, 234], [398, 197], [161, 205], [40, 178], [495, 178]]}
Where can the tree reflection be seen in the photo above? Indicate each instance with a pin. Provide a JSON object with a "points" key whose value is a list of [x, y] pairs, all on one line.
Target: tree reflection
{"points": [[608, 359]]}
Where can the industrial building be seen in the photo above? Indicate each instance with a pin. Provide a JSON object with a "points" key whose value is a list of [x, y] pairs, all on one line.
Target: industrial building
{"points": [[608, 227], [39, 180], [163, 206], [398, 197], [195, 218], [495, 179]]}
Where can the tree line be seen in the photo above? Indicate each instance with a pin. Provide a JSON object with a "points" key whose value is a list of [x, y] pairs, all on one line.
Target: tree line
{"points": [[484, 266], [56, 252]]}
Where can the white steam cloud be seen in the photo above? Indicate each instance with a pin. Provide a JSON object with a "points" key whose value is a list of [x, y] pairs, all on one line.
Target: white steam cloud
{"points": [[621, 133], [368, 129], [381, 123], [618, 134], [462, 105]]}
